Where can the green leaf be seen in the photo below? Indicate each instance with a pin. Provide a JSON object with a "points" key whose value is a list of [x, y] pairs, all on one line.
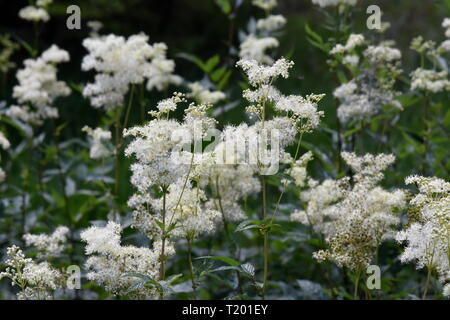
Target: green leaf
{"points": [[223, 268], [192, 58], [248, 224], [212, 63], [218, 74], [225, 5], [224, 80], [227, 260]]}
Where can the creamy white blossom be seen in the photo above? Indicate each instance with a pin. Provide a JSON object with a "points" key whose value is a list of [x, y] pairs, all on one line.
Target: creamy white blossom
{"points": [[99, 144], [254, 48], [271, 23], [39, 87], [48, 245]]}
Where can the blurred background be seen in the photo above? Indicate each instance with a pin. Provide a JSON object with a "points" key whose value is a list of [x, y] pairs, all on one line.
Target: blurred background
{"points": [[201, 28]]}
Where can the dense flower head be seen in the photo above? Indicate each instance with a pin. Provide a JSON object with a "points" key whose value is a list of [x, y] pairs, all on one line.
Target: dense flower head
{"points": [[430, 80], [39, 87], [303, 111], [354, 40], [120, 62], [356, 218], [100, 139], [271, 23], [35, 14], [110, 263], [48, 245], [204, 95], [254, 48], [427, 238], [259, 74], [37, 281]]}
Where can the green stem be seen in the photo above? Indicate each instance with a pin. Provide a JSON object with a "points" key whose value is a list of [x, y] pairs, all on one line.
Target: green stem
{"points": [[219, 198], [358, 275], [427, 284], [191, 268], [163, 241], [266, 237]]}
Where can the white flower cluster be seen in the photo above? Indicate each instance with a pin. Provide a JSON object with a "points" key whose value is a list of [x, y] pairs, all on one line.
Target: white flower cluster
{"points": [[100, 140], [354, 41], [382, 54], [271, 23], [48, 246], [259, 41], [39, 87], [37, 281], [428, 237], [259, 74], [266, 5], [430, 80], [36, 13], [120, 62], [354, 219], [111, 264], [4, 144], [303, 111], [296, 113], [161, 163], [255, 48], [367, 92], [446, 26], [334, 3], [203, 95]]}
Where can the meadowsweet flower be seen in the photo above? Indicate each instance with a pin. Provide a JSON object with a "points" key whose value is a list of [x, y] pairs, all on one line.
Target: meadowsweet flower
{"points": [[355, 40], [4, 143], [161, 71], [351, 60], [430, 80], [382, 54], [35, 14], [36, 280], [303, 111], [271, 23], [120, 62], [254, 48], [100, 140], [259, 74], [205, 96], [110, 264], [427, 238], [266, 5], [354, 219], [48, 245], [446, 25], [38, 87], [420, 45]]}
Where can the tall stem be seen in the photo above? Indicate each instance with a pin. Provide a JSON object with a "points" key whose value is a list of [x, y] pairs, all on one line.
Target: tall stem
{"points": [[119, 140], [163, 241], [191, 268], [266, 237], [219, 198], [427, 284], [358, 275]]}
